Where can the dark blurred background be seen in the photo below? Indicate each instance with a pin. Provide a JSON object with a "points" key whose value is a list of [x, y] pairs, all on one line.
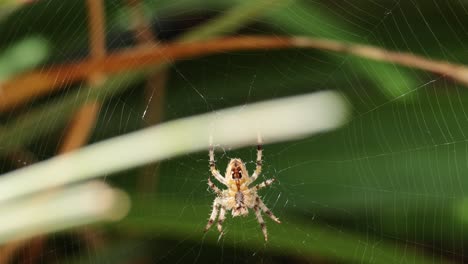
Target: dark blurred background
{"points": [[388, 187]]}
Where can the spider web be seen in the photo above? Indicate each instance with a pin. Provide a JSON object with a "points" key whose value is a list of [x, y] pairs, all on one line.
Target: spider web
{"points": [[394, 174]]}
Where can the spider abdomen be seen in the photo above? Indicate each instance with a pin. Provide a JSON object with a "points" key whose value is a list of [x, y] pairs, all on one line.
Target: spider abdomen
{"points": [[239, 198]]}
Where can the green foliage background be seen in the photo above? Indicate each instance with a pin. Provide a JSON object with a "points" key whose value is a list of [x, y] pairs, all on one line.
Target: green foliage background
{"points": [[388, 187]]}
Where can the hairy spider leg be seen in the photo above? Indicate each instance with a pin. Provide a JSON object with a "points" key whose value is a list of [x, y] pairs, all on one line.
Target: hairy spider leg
{"points": [[261, 222], [258, 169], [213, 170], [263, 184], [214, 187], [267, 211], [222, 217], [213, 215]]}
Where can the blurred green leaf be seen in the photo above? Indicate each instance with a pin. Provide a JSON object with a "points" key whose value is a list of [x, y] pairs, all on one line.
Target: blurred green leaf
{"points": [[9, 6], [176, 218], [314, 19], [23, 56], [232, 19], [119, 252]]}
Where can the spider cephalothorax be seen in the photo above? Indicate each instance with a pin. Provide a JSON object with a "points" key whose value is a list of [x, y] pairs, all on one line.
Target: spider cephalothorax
{"points": [[236, 170], [238, 197]]}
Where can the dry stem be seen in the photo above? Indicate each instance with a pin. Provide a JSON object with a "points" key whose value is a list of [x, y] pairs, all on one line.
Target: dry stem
{"points": [[84, 119], [27, 86]]}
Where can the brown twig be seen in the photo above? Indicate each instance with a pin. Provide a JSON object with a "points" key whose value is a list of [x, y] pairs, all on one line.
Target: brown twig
{"points": [[80, 127], [97, 33], [8, 251], [84, 119], [154, 112], [27, 86], [34, 250]]}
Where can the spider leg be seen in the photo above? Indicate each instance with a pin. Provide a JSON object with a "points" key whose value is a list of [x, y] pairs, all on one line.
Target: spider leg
{"points": [[258, 169], [214, 213], [266, 210], [222, 217], [263, 184], [213, 187], [213, 170], [261, 222]]}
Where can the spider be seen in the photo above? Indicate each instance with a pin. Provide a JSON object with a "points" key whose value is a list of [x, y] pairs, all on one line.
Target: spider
{"points": [[238, 197]]}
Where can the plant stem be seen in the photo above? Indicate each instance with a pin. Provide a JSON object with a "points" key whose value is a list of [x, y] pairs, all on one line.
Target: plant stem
{"points": [[276, 120]]}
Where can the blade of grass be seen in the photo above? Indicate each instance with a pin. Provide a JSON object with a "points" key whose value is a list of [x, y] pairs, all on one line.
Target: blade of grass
{"points": [[276, 120], [90, 202]]}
